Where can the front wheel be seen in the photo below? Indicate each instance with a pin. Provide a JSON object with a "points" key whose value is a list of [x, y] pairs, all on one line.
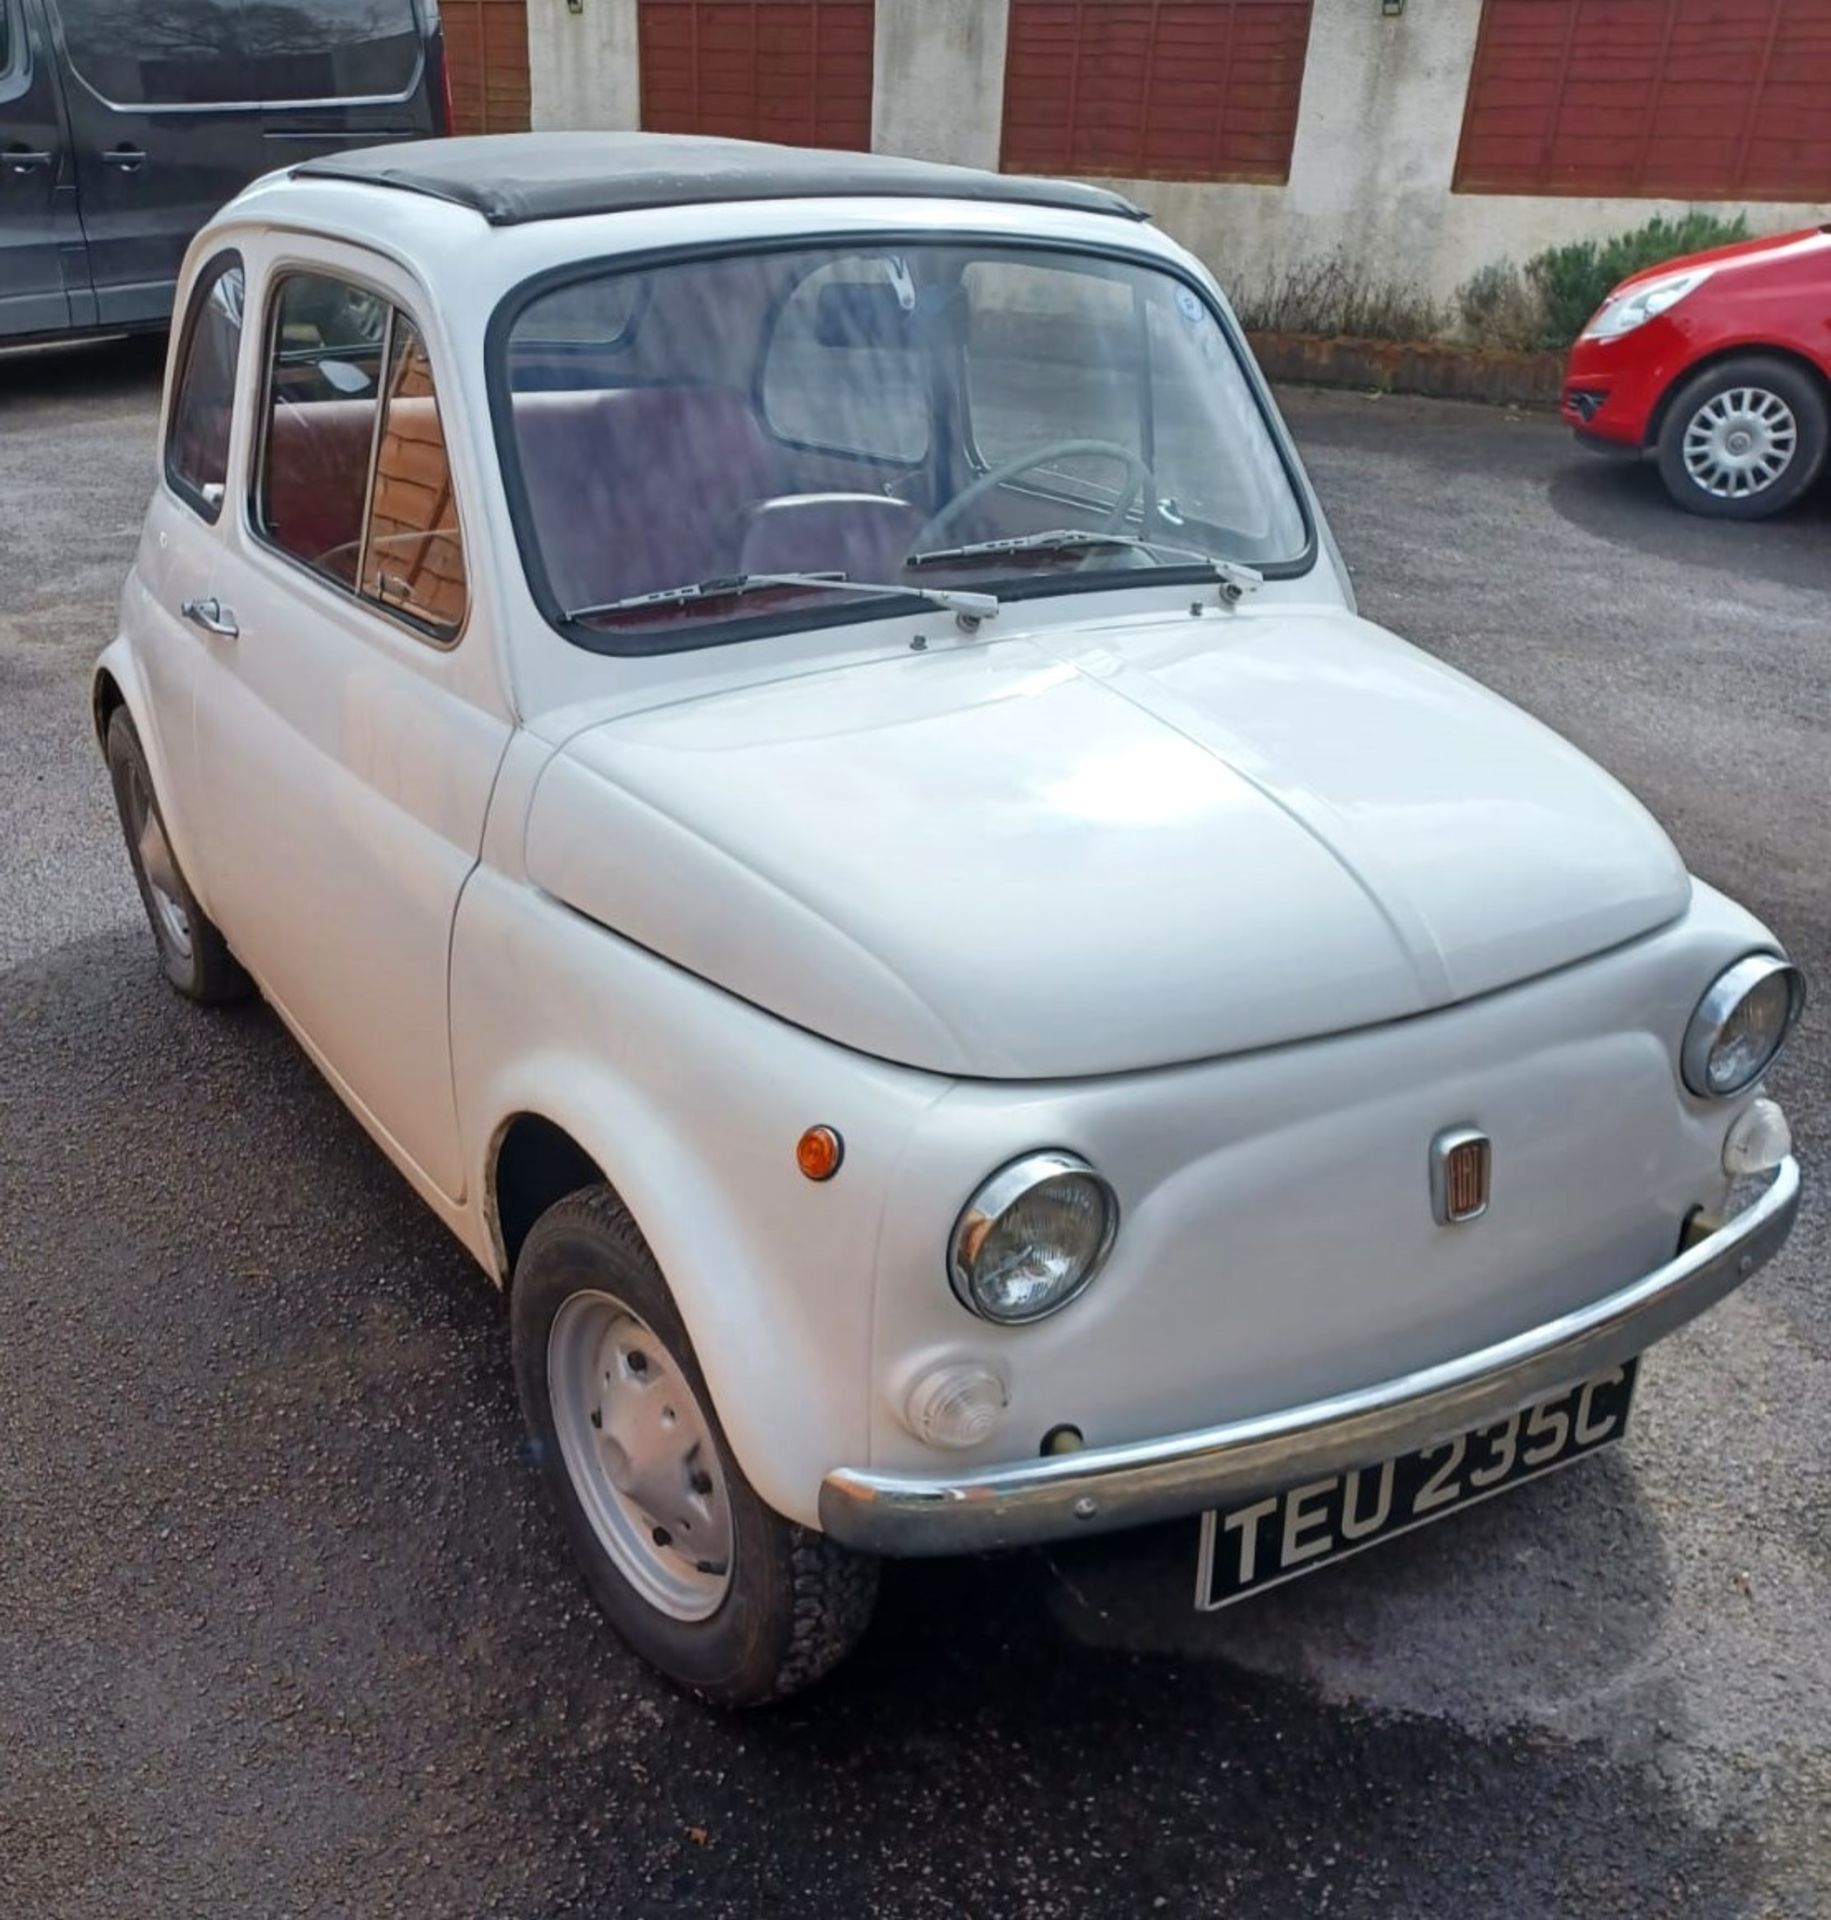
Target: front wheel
{"points": [[704, 1581], [1745, 439]]}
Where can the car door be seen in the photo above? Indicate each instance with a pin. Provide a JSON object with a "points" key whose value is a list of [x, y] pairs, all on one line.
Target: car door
{"points": [[170, 607], [349, 732], [37, 190], [164, 129]]}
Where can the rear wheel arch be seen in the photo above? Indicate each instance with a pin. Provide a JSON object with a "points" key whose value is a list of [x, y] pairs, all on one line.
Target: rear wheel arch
{"points": [[105, 699]]}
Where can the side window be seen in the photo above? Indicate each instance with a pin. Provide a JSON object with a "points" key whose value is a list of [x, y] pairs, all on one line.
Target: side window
{"points": [[413, 559], [179, 53], [203, 402], [1244, 495], [1037, 331], [326, 346], [354, 478], [845, 369], [332, 49], [6, 39]]}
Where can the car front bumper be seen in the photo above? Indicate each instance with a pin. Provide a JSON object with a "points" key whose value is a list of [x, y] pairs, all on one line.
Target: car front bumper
{"points": [[1145, 1481]]}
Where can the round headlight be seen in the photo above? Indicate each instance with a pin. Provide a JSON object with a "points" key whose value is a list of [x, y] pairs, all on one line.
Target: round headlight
{"points": [[1740, 1025], [1032, 1237]]}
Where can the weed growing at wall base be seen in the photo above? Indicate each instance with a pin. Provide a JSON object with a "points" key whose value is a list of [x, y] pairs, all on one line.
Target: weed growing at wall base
{"points": [[1333, 298]]}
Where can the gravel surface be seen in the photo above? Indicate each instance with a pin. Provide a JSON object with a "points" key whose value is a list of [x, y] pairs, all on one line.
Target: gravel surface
{"points": [[285, 1627]]}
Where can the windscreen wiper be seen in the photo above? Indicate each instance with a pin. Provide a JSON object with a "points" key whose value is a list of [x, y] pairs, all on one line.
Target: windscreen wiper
{"points": [[970, 607], [1236, 578], [1067, 539]]}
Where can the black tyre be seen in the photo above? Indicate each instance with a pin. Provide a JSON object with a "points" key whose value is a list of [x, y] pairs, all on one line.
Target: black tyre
{"points": [[1744, 439], [196, 958], [704, 1581]]}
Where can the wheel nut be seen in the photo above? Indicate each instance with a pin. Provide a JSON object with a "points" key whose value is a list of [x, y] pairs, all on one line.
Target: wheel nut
{"points": [[662, 1537], [701, 1481], [638, 1363]]}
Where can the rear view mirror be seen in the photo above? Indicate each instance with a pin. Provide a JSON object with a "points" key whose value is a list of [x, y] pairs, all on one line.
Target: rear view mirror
{"points": [[859, 313], [856, 313]]}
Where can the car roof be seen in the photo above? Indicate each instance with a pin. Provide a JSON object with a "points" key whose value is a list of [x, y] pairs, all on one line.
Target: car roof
{"points": [[513, 179]]}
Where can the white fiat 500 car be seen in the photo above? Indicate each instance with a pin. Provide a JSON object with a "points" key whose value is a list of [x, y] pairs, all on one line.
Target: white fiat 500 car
{"points": [[787, 731]]}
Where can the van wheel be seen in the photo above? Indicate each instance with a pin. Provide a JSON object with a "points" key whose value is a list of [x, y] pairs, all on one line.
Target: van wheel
{"points": [[195, 956], [1745, 439], [704, 1581]]}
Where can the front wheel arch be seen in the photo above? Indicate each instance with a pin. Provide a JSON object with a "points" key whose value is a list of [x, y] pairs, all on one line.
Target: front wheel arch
{"points": [[533, 1163], [1757, 349]]}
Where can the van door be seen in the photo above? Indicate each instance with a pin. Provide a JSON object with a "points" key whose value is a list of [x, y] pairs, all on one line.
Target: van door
{"points": [[37, 188], [166, 126], [343, 73]]}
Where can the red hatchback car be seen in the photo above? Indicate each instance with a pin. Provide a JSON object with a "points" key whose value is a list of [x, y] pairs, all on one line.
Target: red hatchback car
{"points": [[1720, 362]]}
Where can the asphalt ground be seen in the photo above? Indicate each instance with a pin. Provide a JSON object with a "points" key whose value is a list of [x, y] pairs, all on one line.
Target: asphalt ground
{"points": [[285, 1626]]}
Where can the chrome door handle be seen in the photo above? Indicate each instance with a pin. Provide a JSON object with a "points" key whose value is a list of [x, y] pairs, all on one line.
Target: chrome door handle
{"points": [[25, 159], [212, 616], [127, 159]]}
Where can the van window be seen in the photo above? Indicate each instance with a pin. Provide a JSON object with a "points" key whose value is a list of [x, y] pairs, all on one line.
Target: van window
{"points": [[232, 52], [197, 443], [332, 49], [179, 53]]}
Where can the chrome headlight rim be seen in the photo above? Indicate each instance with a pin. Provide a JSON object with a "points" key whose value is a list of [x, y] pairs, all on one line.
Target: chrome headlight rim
{"points": [[1713, 1012], [995, 1197]]}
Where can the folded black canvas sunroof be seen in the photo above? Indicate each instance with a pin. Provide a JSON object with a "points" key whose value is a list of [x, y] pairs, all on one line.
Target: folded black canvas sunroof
{"points": [[517, 177]]}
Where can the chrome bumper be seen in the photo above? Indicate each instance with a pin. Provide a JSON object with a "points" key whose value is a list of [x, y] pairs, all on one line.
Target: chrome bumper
{"points": [[1149, 1480]]}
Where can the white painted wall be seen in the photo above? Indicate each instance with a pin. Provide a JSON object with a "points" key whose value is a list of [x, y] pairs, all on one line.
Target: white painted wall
{"points": [[940, 80], [584, 70], [1375, 149]]}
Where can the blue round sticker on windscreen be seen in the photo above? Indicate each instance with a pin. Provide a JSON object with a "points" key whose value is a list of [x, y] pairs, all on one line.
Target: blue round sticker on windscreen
{"points": [[1189, 306]]}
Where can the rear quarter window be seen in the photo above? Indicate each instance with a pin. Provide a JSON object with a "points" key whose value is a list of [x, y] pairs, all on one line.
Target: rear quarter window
{"points": [[203, 401]]}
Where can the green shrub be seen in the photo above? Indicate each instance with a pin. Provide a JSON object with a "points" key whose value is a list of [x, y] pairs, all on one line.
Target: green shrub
{"points": [[1571, 282], [1500, 310]]}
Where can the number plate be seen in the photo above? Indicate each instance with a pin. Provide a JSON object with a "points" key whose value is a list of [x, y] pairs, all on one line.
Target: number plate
{"points": [[1287, 1535]]}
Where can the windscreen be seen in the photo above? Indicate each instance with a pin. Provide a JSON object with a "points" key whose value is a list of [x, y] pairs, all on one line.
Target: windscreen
{"points": [[1012, 420]]}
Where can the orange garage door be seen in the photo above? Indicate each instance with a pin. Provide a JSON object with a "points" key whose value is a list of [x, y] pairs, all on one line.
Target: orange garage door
{"points": [[792, 70], [1681, 99], [486, 52]]}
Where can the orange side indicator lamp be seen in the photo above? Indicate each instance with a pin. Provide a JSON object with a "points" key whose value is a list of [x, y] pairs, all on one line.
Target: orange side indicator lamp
{"points": [[818, 1153]]}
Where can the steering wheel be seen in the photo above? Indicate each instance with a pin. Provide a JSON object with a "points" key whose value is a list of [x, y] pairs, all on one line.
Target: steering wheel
{"points": [[1138, 475]]}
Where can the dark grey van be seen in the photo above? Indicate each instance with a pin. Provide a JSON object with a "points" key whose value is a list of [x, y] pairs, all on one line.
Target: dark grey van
{"points": [[124, 124]]}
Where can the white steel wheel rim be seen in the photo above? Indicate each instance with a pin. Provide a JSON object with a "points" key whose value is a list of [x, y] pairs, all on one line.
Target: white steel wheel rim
{"points": [[1740, 442], [157, 867], [639, 1450]]}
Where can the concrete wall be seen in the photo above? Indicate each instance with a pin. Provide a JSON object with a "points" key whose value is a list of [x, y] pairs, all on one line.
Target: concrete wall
{"points": [[583, 68], [1375, 153], [940, 81], [1375, 150]]}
